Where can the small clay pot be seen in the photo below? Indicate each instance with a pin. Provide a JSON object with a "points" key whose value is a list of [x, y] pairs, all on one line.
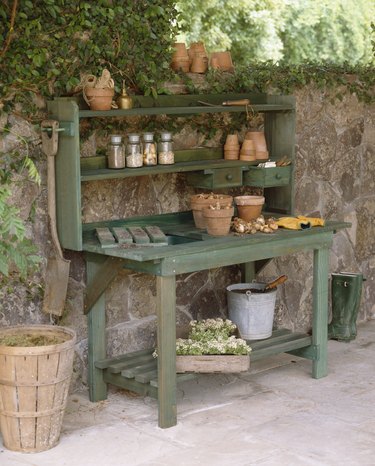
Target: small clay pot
{"points": [[218, 221], [248, 152], [224, 59], [247, 158], [249, 207], [180, 50], [258, 138], [248, 144], [198, 65], [215, 63], [180, 64], [98, 99], [232, 139], [261, 155]]}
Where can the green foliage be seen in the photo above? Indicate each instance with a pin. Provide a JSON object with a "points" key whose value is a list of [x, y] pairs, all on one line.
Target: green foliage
{"points": [[288, 31], [17, 253], [54, 41]]}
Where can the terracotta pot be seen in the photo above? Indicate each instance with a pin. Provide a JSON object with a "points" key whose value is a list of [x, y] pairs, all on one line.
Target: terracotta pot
{"points": [[198, 203], [249, 207], [247, 158], [232, 147], [248, 152], [218, 221], [258, 138], [248, 144], [98, 99], [232, 139], [261, 155], [198, 65], [180, 50], [224, 59], [215, 63], [180, 64]]}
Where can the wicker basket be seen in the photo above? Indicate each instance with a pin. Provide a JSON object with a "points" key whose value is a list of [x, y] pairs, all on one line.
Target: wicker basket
{"points": [[34, 384]]}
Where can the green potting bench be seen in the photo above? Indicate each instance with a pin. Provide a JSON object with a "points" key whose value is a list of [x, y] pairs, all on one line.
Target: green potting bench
{"points": [[186, 249]]}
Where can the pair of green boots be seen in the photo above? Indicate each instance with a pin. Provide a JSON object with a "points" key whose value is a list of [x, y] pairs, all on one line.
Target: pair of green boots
{"points": [[346, 298]]}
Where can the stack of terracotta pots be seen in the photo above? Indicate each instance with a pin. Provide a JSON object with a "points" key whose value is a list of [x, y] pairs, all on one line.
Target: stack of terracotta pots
{"points": [[199, 202], [248, 152], [180, 58], [259, 140], [231, 147], [198, 57]]}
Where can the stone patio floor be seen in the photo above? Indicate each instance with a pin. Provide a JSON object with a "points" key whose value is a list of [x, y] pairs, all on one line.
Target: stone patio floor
{"points": [[275, 414]]}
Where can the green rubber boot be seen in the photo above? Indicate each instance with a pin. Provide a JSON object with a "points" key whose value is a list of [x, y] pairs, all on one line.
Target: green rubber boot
{"points": [[346, 297]]}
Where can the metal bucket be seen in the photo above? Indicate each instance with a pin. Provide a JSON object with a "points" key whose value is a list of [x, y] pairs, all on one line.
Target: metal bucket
{"points": [[251, 312]]}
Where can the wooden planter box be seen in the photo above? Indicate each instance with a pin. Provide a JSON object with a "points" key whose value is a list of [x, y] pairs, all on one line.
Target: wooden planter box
{"points": [[213, 363]]}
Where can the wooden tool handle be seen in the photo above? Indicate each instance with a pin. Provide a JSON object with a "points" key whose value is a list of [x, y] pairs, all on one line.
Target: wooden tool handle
{"points": [[237, 102], [276, 282]]}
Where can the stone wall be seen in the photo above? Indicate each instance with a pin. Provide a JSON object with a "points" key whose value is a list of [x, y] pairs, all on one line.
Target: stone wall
{"points": [[335, 173]]}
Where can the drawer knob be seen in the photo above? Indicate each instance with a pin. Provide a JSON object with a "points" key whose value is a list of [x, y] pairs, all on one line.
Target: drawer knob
{"points": [[229, 177], [278, 176]]}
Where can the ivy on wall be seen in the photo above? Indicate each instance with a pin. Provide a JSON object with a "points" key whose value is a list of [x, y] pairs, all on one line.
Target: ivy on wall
{"points": [[46, 45]]}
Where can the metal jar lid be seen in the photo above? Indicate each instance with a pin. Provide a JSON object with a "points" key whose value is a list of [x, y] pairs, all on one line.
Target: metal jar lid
{"points": [[148, 137], [166, 136], [133, 138], [116, 139]]}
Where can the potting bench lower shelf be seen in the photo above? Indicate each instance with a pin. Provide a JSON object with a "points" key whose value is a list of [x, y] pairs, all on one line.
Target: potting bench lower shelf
{"points": [[189, 250]]}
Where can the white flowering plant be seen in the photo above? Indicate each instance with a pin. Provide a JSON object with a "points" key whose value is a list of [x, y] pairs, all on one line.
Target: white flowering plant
{"points": [[212, 337]]}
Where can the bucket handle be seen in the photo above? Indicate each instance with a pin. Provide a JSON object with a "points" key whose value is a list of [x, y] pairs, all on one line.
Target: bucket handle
{"points": [[248, 294]]}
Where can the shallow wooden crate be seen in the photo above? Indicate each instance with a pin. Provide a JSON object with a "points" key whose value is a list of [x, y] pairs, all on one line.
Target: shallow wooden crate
{"points": [[213, 363]]}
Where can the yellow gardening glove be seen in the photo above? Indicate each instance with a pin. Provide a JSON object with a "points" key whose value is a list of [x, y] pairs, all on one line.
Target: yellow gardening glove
{"points": [[314, 221], [293, 223]]}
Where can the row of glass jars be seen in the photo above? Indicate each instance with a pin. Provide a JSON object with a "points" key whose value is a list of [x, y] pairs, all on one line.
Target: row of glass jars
{"points": [[137, 153]]}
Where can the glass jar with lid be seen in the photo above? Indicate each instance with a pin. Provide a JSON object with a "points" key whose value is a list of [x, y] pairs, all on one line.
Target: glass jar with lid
{"points": [[165, 149], [134, 156], [149, 149], [116, 152]]}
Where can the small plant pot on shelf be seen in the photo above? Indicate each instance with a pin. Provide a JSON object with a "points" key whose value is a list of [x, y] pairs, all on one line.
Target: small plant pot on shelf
{"points": [[218, 220], [249, 207], [200, 201], [36, 364], [98, 99]]}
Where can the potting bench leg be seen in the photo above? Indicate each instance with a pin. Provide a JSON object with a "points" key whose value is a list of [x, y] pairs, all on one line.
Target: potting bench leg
{"points": [[166, 336], [320, 312], [248, 273], [96, 336]]}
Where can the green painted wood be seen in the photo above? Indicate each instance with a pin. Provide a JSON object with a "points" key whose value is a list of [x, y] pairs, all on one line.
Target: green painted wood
{"points": [[166, 338], [320, 310], [96, 333], [216, 178], [201, 154], [248, 273], [68, 183], [101, 277], [280, 136], [155, 234], [131, 373], [309, 352], [122, 235], [139, 235], [135, 361], [89, 174], [145, 377], [104, 363], [283, 347], [275, 339], [130, 384], [105, 237], [267, 177]]}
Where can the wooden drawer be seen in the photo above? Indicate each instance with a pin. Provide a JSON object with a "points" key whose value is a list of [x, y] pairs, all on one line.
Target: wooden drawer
{"points": [[267, 177], [216, 178]]}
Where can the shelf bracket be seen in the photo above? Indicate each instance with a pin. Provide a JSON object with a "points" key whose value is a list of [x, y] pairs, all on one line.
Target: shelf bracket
{"points": [[103, 277], [311, 352]]}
